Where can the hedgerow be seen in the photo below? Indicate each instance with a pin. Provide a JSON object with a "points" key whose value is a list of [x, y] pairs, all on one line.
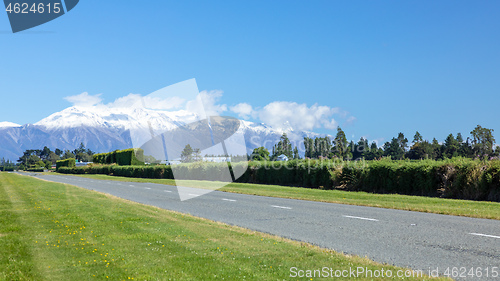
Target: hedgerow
{"points": [[70, 162], [132, 156], [457, 178]]}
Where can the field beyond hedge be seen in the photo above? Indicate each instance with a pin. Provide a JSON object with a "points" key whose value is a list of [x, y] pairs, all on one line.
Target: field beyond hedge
{"points": [[457, 178]]}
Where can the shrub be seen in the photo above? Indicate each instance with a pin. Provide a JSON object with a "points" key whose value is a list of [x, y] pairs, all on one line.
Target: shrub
{"points": [[133, 156], [70, 162]]}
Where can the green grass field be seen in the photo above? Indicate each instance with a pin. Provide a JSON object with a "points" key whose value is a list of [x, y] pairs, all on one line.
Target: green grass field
{"points": [[468, 208], [51, 231]]}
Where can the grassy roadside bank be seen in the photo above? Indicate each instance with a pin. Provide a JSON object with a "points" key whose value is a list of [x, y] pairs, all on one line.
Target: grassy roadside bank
{"points": [[467, 208], [53, 231]]}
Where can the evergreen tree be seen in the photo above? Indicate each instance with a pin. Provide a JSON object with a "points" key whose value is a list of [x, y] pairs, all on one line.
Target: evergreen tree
{"points": [[393, 149], [451, 147], [284, 146], [436, 150], [309, 147], [296, 153], [417, 138], [68, 154], [187, 154], [340, 145]]}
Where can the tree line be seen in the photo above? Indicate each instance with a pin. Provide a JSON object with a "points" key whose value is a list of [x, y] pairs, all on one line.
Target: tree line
{"points": [[45, 158], [480, 145]]}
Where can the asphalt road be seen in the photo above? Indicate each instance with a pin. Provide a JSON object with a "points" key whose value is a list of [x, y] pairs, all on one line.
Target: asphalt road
{"points": [[420, 241]]}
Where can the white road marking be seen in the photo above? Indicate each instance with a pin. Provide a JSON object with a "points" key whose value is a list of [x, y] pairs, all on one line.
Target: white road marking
{"points": [[131, 185], [281, 207], [230, 200], [191, 194], [148, 187], [167, 191], [360, 218], [485, 235]]}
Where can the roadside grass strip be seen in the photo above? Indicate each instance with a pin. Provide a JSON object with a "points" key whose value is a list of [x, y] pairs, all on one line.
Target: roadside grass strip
{"points": [[455, 207], [51, 231]]}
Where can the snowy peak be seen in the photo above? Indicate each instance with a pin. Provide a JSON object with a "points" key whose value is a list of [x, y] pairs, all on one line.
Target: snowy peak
{"points": [[9, 125], [72, 117], [115, 118]]}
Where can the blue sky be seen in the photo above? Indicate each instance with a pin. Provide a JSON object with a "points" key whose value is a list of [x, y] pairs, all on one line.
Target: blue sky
{"points": [[380, 67]]}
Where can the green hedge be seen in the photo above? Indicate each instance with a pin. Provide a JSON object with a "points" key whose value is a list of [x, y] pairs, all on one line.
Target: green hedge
{"points": [[133, 156], [38, 170], [456, 178], [70, 162], [154, 172]]}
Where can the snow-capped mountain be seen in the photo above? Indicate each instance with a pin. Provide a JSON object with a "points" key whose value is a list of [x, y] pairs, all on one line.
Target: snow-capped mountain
{"points": [[107, 129], [9, 125]]}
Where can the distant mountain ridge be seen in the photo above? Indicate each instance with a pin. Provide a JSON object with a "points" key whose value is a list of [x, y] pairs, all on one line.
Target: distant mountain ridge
{"points": [[104, 130]]}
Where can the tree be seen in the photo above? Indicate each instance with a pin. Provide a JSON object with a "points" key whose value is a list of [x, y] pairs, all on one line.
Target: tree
{"points": [[33, 160], [53, 157], [80, 149], [393, 149], [83, 157], [284, 146], [482, 141], [68, 154], [451, 147], [465, 149], [296, 153], [197, 155], [187, 154], [373, 153], [396, 148], [340, 145], [260, 154], [44, 154], [310, 148], [360, 149], [317, 147], [403, 142], [82, 154], [421, 150], [437, 151], [30, 157], [417, 138]]}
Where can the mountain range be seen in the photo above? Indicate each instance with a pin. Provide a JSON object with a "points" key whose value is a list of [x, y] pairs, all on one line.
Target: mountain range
{"points": [[104, 129]]}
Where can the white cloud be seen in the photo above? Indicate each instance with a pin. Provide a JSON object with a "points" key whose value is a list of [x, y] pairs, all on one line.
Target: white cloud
{"points": [[130, 100], [84, 100], [244, 110], [351, 120], [205, 104], [282, 114], [285, 115], [136, 100]]}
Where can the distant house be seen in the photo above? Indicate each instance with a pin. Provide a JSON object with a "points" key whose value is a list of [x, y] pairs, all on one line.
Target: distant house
{"points": [[217, 159], [282, 157], [82, 164]]}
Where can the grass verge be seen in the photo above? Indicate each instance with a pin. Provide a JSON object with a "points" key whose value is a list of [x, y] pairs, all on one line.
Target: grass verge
{"points": [[466, 208], [51, 231]]}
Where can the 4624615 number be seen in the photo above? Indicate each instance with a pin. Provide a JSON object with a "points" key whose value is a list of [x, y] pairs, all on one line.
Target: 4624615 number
{"points": [[40, 8]]}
